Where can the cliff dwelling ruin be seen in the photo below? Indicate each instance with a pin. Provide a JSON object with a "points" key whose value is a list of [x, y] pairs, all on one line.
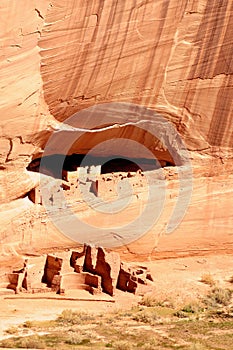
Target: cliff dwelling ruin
{"points": [[87, 268], [102, 174], [133, 151]]}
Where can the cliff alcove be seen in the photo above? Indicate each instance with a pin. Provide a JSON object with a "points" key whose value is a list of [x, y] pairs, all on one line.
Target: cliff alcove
{"points": [[173, 58], [72, 162]]}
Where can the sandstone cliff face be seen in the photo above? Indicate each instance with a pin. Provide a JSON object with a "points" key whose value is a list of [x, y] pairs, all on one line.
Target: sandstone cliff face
{"points": [[174, 57]]}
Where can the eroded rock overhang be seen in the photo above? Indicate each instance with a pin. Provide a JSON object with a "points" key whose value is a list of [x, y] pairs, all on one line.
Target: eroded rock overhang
{"points": [[118, 129]]}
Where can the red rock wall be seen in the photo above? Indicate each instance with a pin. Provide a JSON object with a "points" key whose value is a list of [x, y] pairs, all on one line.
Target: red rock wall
{"points": [[174, 57], [58, 58]]}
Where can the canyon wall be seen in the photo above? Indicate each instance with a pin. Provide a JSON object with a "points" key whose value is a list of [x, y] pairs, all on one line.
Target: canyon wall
{"points": [[173, 57]]}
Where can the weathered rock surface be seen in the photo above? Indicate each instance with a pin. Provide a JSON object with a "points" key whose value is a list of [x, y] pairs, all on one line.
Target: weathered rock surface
{"points": [[174, 57]]}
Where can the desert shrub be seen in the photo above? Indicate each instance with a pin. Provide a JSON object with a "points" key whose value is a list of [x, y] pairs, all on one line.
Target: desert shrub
{"points": [[148, 301], [193, 307], [207, 278], [151, 301], [68, 317], [77, 339], [231, 279], [189, 309], [32, 342], [180, 314], [110, 320], [218, 296], [145, 317], [223, 313], [122, 345]]}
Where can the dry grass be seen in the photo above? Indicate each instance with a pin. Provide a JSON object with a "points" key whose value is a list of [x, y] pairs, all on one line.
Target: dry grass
{"points": [[207, 278], [143, 327], [198, 346], [146, 316], [77, 339], [122, 345], [148, 301], [152, 301], [32, 342], [68, 317], [218, 296]]}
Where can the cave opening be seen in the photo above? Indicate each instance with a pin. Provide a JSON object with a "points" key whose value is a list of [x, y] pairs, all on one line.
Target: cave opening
{"points": [[125, 165], [122, 156], [51, 164]]}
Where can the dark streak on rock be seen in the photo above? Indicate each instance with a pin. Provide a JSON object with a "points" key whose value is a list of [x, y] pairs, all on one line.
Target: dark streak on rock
{"points": [[9, 152], [39, 13]]}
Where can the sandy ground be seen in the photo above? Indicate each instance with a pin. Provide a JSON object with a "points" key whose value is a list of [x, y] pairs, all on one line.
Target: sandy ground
{"points": [[175, 280], [16, 309]]}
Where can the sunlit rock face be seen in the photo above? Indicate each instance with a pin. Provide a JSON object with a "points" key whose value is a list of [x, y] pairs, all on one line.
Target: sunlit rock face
{"points": [[172, 57]]}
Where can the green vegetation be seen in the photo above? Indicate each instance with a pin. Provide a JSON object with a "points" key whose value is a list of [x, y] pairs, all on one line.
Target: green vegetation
{"points": [[199, 325]]}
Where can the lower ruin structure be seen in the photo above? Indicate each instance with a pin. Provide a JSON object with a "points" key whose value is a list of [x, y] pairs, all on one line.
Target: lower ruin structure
{"points": [[91, 269]]}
